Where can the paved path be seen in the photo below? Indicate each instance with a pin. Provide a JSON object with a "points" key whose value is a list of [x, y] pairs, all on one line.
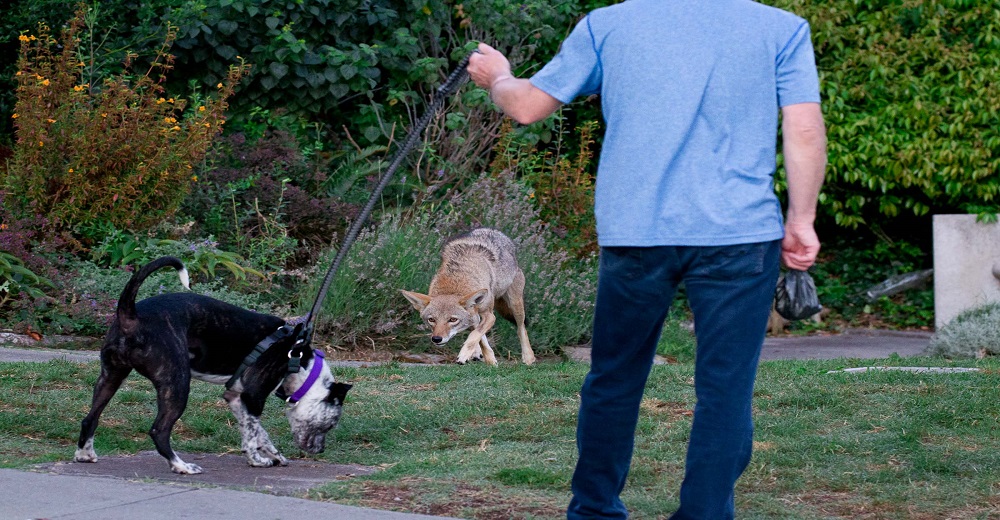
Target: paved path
{"points": [[29, 496], [71, 491]]}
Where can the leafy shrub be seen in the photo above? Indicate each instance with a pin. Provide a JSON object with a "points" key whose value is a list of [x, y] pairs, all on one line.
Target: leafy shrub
{"points": [[974, 333], [847, 268], [561, 182], [15, 278], [363, 299], [911, 105], [265, 200], [117, 152], [112, 26]]}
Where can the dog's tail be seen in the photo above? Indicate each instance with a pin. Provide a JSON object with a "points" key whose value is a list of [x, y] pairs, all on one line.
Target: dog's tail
{"points": [[126, 302]]}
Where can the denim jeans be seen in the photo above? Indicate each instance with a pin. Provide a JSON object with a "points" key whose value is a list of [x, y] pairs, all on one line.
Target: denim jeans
{"points": [[730, 290]]}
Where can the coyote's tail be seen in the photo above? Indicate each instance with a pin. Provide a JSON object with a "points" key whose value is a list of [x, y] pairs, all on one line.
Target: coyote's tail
{"points": [[126, 302]]}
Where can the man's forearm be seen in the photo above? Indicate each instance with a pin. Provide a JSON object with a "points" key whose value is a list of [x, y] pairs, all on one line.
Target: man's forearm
{"points": [[804, 149], [521, 100]]}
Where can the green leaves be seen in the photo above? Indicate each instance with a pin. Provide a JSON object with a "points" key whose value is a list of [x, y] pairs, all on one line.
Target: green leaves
{"points": [[15, 277], [912, 106]]}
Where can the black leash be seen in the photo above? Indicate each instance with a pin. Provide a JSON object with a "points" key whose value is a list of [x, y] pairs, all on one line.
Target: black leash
{"points": [[449, 87], [304, 337]]}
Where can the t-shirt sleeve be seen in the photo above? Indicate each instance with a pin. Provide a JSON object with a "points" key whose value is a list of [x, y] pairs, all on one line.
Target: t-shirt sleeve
{"points": [[798, 81], [576, 68]]}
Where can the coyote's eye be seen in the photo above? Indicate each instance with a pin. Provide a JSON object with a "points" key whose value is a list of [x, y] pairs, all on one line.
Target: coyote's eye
{"points": [[431, 320], [452, 320]]}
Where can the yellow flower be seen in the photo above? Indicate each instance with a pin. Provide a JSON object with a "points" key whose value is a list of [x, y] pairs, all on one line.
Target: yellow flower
{"points": [[201, 109], [176, 128], [24, 38], [171, 100], [71, 170], [160, 101], [208, 125], [219, 85], [51, 121], [194, 178], [45, 82], [40, 144], [78, 88], [104, 114], [15, 116]]}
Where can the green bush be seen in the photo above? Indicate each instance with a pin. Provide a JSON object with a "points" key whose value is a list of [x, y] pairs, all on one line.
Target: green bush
{"points": [[912, 106], [115, 27], [117, 152], [974, 333]]}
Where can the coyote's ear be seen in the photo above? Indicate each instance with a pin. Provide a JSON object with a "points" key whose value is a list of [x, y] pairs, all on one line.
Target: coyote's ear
{"points": [[419, 301], [474, 299]]}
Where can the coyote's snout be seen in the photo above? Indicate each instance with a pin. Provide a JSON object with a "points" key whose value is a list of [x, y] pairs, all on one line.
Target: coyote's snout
{"points": [[478, 274]]}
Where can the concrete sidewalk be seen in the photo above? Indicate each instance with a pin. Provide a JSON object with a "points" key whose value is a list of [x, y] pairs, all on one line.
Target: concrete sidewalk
{"points": [[852, 343], [35, 496]]}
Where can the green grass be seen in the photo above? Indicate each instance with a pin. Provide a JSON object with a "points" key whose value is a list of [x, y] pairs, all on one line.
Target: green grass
{"points": [[482, 442]]}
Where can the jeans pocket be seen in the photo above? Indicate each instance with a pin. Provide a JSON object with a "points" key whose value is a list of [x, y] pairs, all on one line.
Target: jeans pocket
{"points": [[734, 261], [621, 262]]}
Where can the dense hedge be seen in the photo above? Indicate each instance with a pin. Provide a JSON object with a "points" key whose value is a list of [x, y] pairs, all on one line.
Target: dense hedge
{"points": [[912, 104]]}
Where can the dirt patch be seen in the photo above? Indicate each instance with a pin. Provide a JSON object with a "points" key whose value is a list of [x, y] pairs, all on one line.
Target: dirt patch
{"points": [[227, 470], [463, 501]]}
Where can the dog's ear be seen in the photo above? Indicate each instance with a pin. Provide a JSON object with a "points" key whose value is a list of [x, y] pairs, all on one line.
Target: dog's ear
{"points": [[474, 299], [338, 391], [419, 301]]}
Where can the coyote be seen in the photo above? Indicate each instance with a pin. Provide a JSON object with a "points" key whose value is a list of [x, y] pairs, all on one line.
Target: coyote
{"points": [[478, 271]]}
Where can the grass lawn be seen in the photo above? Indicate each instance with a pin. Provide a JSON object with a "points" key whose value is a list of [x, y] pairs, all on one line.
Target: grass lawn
{"points": [[490, 443]]}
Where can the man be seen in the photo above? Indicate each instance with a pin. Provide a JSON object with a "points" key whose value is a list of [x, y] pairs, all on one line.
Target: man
{"points": [[690, 92]]}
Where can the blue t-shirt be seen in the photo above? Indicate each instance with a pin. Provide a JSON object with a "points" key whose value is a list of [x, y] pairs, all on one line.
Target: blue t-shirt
{"points": [[690, 92]]}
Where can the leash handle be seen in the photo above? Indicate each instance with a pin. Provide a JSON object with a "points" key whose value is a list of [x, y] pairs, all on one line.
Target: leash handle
{"points": [[449, 87]]}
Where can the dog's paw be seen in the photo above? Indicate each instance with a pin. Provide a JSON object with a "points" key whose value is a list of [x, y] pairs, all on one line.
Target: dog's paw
{"points": [[528, 360], [83, 455], [264, 459], [184, 468]]}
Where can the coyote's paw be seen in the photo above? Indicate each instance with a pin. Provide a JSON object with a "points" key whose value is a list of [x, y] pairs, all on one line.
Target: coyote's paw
{"points": [[469, 352]]}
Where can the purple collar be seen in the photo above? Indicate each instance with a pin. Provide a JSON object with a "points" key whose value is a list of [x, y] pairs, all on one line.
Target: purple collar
{"points": [[314, 371]]}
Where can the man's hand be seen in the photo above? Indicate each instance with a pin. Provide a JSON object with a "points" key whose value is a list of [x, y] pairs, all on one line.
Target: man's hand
{"points": [[517, 97], [800, 246], [488, 66]]}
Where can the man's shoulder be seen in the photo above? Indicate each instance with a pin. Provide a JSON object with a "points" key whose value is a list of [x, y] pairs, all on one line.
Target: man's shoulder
{"points": [[711, 9]]}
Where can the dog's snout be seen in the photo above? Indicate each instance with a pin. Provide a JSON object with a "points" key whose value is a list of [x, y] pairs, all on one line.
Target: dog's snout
{"points": [[437, 339]]}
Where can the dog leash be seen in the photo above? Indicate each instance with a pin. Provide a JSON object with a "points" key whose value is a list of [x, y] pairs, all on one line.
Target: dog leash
{"points": [[449, 87], [305, 333]]}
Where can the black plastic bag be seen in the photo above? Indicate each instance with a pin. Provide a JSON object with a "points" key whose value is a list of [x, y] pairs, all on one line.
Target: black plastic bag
{"points": [[795, 298]]}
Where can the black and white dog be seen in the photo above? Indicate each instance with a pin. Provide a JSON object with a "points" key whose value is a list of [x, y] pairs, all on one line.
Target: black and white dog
{"points": [[173, 337]]}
